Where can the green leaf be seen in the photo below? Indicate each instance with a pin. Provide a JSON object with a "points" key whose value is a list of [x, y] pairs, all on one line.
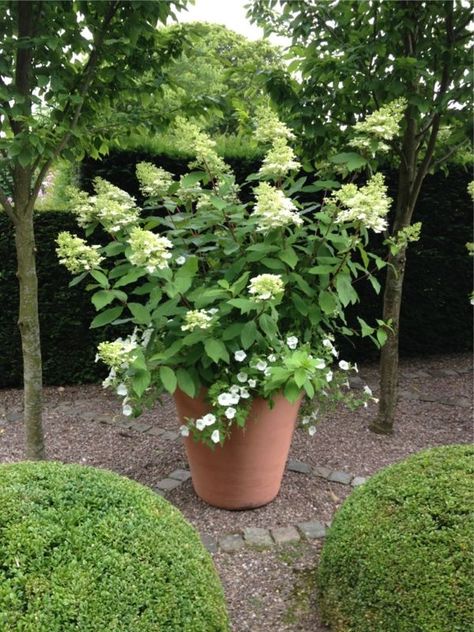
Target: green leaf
{"points": [[186, 382], [350, 159], [216, 350], [168, 378], [131, 277], [267, 325], [243, 304], [248, 334], [141, 314], [344, 288], [381, 336], [375, 284], [78, 279], [289, 256], [322, 270], [106, 317], [366, 330], [190, 179], [102, 298], [309, 388], [300, 377], [140, 382], [327, 302], [100, 278], [292, 391]]}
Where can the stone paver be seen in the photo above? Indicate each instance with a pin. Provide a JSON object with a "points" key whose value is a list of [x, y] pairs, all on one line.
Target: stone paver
{"points": [[167, 484], [456, 401], [257, 537], [321, 471], [312, 530], [358, 480], [210, 543], [340, 477], [141, 426], [298, 466], [169, 435], [356, 382], [180, 475], [231, 543], [285, 535], [155, 431]]}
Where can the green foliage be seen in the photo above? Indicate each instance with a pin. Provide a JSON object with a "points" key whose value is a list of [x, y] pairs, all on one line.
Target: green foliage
{"points": [[85, 549], [399, 555]]}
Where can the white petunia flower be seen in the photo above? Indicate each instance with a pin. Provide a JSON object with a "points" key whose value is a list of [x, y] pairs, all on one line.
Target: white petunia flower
{"points": [[329, 376], [127, 410], [200, 425], [230, 412], [244, 394], [180, 260], [252, 383], [305, 420], [235, 397], [311, 430], [355, 367], [242, 377], [320, 364], [267, 372], [215, 436], [122, 390], [367, 389], [345, 366], [272, 358], [234, 389], [261, 365], [240, 355], [327, 343], [184, 431], [209, 419], [225, 399], [292, 342]]}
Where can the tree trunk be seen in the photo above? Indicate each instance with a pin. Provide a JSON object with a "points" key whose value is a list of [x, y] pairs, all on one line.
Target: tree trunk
{"points": [[28, 322], [383, 424]]}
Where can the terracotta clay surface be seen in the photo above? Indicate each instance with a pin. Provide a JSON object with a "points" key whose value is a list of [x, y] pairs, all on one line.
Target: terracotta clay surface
{"points": [[247, 470]]}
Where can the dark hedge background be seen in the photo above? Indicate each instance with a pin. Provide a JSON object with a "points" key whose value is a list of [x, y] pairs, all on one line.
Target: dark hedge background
{"points": [[436, 313]]}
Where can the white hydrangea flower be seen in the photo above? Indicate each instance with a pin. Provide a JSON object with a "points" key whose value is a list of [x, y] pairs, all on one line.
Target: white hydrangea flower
{"points": [[148, 250], [118, 353], [154, 181], [242, 377], [279, 160], [273, 209], [382, 125], [266, 287], [75, 254], [345, 366], [190, 138], [184, 431], [292, 342], [197, 319], [215, 436], [230, 412], [240, 355], [367, 205], [269, 127]]}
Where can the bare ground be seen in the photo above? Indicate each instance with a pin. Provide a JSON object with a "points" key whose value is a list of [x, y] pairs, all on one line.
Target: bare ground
{"points": [[266, 590]]}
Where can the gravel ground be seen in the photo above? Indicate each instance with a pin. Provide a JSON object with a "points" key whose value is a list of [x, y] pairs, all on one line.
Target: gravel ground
{"points": [[266, 590]]}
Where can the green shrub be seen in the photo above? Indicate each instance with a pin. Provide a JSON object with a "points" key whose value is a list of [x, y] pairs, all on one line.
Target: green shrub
{"points": [[399, 557], [87, 550]]}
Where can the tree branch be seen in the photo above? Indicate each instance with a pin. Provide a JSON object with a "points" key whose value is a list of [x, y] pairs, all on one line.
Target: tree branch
{"points": [[87, 79], [448, 155], [7, 206]]}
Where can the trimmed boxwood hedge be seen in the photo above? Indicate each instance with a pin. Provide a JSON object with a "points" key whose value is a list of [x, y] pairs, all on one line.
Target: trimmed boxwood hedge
{"points": [[399, 555], [85, 549], [436, 314]]}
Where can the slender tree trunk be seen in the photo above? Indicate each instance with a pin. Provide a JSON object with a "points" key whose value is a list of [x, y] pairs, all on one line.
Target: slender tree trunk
{"points": [[28, 322]]}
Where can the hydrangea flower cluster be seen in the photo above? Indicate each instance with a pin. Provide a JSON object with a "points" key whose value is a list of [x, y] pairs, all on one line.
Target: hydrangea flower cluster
{"points": [[154, 181], [190, 137], [148, 250], [113, 208], [268, 127], [273, 209], [198, 319], [367, 205], [118, 353], [279, 160], [266, 287], [380, 126], [75, 254]]}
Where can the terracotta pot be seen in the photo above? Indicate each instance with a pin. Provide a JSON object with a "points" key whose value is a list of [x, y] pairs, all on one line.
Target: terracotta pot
{"points": [[245, 472]]}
